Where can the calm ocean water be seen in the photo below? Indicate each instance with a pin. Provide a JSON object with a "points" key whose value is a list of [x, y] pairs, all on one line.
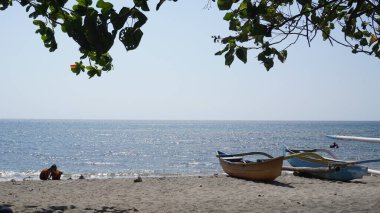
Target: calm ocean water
{"points": [[105, 149]]}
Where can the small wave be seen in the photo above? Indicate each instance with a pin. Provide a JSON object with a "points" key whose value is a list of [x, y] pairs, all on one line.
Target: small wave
{"points": [[194, 163], [98, 163], [9, 175]]}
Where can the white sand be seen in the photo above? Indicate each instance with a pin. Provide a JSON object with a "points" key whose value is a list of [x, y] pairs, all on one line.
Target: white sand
{"points": [[193, 194]]}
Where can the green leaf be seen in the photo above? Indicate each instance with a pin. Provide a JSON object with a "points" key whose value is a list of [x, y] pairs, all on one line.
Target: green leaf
{"points": [[259, 29], [242, 37], [28, 8], [142, 4], [363, 42], [259, 39], [32, 15], [366, 34], [91, 72], [326, 33], [261, 57], [84, 3], [77, 67], [285, 54], [243, 6], [332, 26], [252, 12], [39, 23], [228, 39], [358, 35], [159, 4], [268, 63], [118, 20], [105, 6], [4, 4], [229, 16], [63, 28], [24, 2], [268, 51], [225, 4], [241, 53], [130, 37], [375, 47], [229, 58], [234, 24], [140, 16], [80, 9], [282, 55]]}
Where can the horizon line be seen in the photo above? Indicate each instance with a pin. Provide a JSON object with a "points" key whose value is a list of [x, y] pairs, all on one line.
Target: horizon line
{"points": [[122, 119]]}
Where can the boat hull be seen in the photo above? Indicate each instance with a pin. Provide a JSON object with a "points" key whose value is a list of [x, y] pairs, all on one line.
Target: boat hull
{"points": [[343, 172], [267, 170]]}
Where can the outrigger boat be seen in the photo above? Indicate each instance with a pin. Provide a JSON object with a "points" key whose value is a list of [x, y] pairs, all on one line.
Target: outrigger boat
{"points": [[266, 169], [334, 169]]}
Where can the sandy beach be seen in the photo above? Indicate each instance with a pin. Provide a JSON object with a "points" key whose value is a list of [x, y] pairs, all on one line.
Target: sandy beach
{"points": [[217, 193]]}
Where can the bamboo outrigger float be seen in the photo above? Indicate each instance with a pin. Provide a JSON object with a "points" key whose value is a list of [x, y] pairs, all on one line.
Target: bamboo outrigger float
{"points": [[262, 170]]}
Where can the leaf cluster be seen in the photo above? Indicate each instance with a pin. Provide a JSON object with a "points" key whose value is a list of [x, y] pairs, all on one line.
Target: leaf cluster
{"points": [[4, 4], [272, 26], [94, 26]]}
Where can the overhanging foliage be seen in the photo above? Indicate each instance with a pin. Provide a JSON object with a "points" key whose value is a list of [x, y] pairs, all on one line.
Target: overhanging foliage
{"points": [[268, 27]]}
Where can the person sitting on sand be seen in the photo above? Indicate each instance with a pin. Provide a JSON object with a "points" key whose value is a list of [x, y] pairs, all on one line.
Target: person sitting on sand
{"points": [[51, 172]]}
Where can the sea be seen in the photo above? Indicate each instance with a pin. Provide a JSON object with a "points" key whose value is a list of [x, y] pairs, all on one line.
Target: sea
{"points": [[130, 148]]}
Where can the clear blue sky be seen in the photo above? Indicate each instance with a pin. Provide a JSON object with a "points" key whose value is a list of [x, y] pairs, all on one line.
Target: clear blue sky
{"points": [[174, 75]]}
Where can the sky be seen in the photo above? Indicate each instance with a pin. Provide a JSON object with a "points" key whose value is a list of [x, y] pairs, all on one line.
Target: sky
{"points": [[174, 75]]}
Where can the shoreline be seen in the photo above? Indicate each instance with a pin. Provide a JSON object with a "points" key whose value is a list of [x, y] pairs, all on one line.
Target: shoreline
{"points": [[64, 177], [213, 193]]}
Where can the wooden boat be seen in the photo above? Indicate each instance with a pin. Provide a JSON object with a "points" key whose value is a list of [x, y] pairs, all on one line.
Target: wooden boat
{"points": [[262, 170], [334, 169]]}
